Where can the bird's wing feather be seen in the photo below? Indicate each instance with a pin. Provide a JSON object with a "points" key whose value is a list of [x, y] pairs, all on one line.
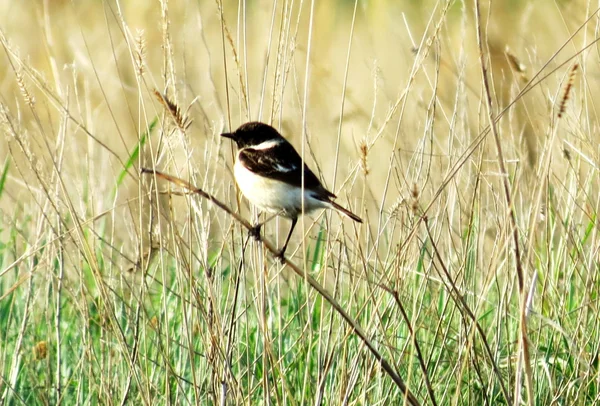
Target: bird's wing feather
{"points": [[281, 162]]}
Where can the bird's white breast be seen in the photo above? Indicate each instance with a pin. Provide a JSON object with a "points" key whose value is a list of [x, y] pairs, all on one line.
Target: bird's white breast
{"points": [[272, 195]]}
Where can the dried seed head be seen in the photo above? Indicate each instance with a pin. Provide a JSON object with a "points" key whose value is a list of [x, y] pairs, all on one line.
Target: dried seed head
{"points": [[395, 209], [414, 194], [542, 214], [514, 62], [11, 128], [181, 120], [29, 99], [5, 118], [40, 351], [364, 151], [154, 324], [567, 92], [140, 51]]}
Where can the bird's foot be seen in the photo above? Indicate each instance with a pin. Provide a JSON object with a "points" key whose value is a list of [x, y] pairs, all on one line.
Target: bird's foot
{"points": [[255, 232], [280, 256]]}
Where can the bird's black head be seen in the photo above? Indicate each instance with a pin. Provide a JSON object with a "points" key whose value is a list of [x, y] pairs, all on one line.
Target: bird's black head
{"points": [[252, 134]]}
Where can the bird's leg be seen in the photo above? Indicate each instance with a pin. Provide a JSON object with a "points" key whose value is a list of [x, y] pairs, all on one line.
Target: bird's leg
{"points": [[280, 254], [255, 230]]}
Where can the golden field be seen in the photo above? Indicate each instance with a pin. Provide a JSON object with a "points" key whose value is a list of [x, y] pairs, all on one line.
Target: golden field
{"points": [[464, 134]]}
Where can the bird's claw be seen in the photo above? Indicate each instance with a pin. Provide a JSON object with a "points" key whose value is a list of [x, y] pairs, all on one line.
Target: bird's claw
{"points": [[280, 257], [255, 232]]}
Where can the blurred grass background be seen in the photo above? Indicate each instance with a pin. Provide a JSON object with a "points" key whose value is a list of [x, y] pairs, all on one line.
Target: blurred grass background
{"points": [[114, 291]]}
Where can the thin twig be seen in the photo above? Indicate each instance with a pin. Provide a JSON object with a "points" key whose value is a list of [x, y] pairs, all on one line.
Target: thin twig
{"points": [[385, 365]]}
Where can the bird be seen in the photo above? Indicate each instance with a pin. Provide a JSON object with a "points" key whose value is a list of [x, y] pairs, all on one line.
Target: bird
{"points": [[272, 176]]}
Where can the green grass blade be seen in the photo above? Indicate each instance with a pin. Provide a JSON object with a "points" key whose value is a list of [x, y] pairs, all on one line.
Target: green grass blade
{"points": [[135, 153], [4, 175], [319, 252]]}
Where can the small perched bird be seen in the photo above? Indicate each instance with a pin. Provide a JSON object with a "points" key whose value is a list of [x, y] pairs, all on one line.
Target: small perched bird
{"points": [[269, 172]]}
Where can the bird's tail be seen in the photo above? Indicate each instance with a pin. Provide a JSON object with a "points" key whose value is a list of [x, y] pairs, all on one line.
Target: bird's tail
{"points": [[345, 212]]}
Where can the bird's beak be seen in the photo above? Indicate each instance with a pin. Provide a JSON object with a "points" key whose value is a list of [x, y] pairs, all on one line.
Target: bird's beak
{"points": [[228, 135]]}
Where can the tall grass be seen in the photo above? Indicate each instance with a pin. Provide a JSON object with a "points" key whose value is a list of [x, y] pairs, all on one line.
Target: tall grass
{"points": [[465, 135]]}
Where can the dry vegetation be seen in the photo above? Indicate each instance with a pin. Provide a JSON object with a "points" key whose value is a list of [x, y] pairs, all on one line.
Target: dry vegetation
{"points": [[466, 137]]}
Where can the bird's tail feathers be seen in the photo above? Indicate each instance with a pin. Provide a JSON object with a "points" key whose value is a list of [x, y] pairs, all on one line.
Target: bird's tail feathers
{"points": [[345, 212]]}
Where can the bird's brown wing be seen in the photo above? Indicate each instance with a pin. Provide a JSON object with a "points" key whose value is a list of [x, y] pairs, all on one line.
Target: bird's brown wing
{"points": [[281, 162]]}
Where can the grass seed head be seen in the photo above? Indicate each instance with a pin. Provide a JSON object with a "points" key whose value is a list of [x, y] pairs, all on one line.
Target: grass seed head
{"points": [[29, 99], [414, 195], [180, 119], [567, 92], [140, 51], [40, 350], [364, 151]]}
